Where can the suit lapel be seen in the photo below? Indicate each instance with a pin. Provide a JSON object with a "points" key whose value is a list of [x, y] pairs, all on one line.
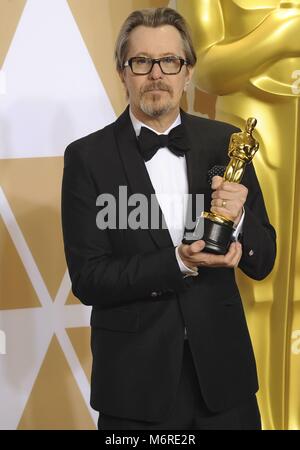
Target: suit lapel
{"points": [[136, 173], [199, 160]]}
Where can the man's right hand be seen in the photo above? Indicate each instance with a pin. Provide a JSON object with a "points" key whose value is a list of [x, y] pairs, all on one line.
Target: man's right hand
{"points": [[193, 255]]}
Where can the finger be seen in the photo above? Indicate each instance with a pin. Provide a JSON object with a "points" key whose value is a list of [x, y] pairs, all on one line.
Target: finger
{"points": [[212, 260], [233, 187], [233, 254], [216, 182], [237, 197], [230, 255], [197, 246], [204, 259], [236, 258], [194, 248], [230, 209], [221, 203], [228, 214], [226, 195]]}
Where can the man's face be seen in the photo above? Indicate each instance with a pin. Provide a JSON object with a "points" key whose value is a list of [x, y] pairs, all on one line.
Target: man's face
{"points": [[155, 94]]}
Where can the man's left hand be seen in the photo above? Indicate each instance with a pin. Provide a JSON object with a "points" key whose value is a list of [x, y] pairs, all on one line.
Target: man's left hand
{"points": [[228, 199]]}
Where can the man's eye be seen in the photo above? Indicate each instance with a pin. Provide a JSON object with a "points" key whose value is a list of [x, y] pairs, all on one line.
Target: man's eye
{"points": [[141, 61], [169, 60]]}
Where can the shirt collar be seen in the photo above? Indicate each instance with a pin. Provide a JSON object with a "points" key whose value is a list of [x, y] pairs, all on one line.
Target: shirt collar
{"points": [[137, 124]]}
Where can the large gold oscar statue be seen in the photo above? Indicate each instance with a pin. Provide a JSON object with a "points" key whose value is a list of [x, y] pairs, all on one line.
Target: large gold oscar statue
{"points": [[249, 56]]}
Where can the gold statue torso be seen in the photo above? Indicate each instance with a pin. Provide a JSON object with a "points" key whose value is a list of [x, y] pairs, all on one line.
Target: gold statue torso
{"points": [[276, 77], [241, 150]]}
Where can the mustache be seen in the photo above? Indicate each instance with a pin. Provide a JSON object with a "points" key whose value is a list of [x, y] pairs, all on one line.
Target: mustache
{"points": [[156, 86]]}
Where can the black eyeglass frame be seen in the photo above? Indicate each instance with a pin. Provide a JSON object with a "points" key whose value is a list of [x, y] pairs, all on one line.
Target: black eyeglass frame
{"points": [[129, 62]]}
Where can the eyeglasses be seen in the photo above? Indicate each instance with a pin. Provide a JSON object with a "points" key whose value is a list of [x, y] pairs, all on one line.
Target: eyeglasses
{"points": [[169, 65]]}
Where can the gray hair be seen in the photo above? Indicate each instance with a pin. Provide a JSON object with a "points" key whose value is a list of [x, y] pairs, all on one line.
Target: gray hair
{"points": [[153, 18]]}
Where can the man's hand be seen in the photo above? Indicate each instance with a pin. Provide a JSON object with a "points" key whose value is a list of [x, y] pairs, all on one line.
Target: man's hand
{"points": [[228, 199], [193, 256]]}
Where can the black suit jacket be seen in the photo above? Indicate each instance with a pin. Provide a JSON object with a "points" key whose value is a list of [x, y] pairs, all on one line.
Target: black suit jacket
{"points": [[141, 302]]}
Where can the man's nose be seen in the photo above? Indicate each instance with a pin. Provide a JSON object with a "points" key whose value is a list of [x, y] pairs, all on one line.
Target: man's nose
{"points": [[156, 72]]}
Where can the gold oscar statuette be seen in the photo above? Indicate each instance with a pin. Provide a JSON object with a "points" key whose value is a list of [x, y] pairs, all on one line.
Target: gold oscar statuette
{"points": [[218, 229], [242, 148]]}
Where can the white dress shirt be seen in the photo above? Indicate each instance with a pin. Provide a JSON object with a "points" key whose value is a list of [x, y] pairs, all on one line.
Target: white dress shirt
{"points": [[168, 175]]}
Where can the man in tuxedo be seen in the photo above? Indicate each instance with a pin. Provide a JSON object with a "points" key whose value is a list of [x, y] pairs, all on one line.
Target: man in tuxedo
{"points": [[170, 344]]}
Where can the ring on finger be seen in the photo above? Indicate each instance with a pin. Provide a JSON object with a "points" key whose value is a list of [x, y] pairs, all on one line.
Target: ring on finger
{"points": [[224, 203]]}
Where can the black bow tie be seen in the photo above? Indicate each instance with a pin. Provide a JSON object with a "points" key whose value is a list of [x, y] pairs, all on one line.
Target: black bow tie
{"points": [[150, 142]]}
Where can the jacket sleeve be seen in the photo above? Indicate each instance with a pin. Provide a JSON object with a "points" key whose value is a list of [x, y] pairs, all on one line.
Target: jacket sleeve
{"points": [[258, 237], [99, 276]]}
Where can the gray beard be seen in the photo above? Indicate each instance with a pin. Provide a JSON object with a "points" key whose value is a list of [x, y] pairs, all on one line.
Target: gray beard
{"points": [[155, 110], [153, 107]]}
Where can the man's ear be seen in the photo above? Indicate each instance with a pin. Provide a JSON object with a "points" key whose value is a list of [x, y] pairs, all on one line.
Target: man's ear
{"points": [[190, 73], [121, 75], [188, 78]]}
